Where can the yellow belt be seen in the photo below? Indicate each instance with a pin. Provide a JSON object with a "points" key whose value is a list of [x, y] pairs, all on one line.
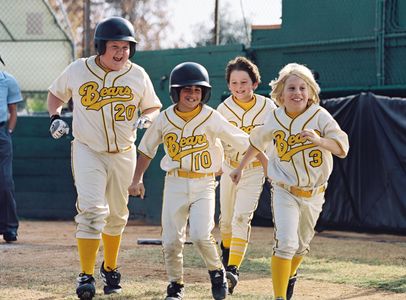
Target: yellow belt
{"points": [[189, 174], [235, 164], [304, 193]]}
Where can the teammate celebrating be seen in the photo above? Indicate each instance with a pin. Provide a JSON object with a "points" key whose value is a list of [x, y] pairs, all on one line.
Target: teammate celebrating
{"points": [[107, 91], [305, 136], [245, 110], [189, 131]]}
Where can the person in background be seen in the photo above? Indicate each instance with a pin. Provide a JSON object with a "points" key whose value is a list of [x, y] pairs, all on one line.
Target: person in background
{"points": [[10, 95]]}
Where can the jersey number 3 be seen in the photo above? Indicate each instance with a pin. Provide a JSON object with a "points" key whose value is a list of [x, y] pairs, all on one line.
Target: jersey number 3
{"points": [[317, 158]]}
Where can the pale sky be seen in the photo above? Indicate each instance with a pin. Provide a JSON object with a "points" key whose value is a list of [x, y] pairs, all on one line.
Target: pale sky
{"points": [[187, 13]]}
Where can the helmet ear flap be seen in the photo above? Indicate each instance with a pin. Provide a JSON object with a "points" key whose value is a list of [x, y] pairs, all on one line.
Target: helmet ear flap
{"points": [[132, 49], [174, 93], [100, 46], [206, 94]]}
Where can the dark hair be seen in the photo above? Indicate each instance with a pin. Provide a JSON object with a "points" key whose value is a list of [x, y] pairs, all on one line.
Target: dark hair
{"points": [[241, 63]]}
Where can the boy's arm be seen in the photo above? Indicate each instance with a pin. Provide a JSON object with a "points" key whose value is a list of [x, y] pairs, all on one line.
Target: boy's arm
{"points": [[264, 161], [249, 155], [145, 120], [137, 187], [326, 143]]}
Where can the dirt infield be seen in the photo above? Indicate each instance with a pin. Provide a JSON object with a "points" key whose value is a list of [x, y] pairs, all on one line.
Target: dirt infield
{"points": [[43, 264]]}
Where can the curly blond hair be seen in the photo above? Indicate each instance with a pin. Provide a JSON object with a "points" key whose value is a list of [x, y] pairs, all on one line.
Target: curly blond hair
{"points": [[301, 71]]}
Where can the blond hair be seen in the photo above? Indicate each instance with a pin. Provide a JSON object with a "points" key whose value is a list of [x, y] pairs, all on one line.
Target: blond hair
{"points": [[301, 71]]}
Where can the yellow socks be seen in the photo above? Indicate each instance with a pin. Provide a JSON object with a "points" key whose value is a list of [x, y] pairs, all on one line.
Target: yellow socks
{"points": [[226, 240], [111, 246], [280, 275], [296, 261], [88, 249], [237, 251]]}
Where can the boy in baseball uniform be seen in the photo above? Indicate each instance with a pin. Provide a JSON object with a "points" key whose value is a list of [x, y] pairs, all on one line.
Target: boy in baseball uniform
{"points": [[305, 137], [107, 91], [189, 131], [245, 110]]}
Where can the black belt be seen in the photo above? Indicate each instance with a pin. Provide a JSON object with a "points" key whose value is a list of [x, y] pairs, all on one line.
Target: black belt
{"points": [[2, 123]]}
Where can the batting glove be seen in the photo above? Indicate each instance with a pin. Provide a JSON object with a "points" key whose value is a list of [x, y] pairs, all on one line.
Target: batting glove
{"points": [[58, 127], [142, 122]]}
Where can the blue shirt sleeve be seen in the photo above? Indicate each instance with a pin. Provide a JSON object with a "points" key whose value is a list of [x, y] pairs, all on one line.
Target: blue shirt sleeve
{"points": [[14, 92]]}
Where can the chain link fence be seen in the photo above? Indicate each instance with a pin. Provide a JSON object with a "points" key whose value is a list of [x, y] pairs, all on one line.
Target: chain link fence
{"points": [[35, 48], [353, 46]]}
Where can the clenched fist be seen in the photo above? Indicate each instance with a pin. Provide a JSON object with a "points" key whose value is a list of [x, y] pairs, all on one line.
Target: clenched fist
{"points": [[58, 127], [137, 189]]}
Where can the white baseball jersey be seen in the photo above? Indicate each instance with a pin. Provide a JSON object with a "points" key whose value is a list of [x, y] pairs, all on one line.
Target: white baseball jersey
{"points": [[295, 161], [105, 104], [245, 120], [192, 145]]}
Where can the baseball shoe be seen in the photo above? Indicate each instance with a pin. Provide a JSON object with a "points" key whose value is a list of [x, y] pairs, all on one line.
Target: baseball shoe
{"points": [[111, 280], [10, 237], [175, 291], [232, 276], [86, 286], [218, 284], [291, 285], [225, 254]]}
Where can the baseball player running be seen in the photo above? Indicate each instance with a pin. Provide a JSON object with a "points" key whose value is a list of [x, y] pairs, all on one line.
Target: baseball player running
{"points": [[245, 110], [108, 91], [189, 131], [305, 136]]}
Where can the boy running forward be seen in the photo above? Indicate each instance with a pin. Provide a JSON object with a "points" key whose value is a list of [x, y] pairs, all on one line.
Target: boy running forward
{"points": [[189, 131]]}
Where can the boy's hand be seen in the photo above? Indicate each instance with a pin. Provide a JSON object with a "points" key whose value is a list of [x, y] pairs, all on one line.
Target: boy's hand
{"points": [[311, 135], [236, 175], [137, 189]]}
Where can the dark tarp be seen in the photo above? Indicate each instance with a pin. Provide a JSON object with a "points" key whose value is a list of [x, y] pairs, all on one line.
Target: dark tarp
{"points": [[367, 189]]}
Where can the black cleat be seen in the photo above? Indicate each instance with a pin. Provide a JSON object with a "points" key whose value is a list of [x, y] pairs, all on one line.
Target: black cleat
{"points": [[111, 280], [219, 286], [175, 291], [86, 286], [232, 276], [225, 254], [291, 285], [10, 237]]}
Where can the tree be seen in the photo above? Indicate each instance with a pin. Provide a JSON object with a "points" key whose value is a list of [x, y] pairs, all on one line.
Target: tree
{"points": [[149, 18], [231, 31]]}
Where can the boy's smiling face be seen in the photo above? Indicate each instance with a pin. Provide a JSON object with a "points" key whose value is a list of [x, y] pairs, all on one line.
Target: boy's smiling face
{"points": [[189, 98]]}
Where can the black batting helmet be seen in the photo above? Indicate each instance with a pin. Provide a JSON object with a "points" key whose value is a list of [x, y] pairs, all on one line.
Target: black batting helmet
{"points": [[187, 74], [114, 29]]}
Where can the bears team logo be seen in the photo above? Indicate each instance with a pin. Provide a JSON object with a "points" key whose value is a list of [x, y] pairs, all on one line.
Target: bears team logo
{"points": [[93, 99], [287, 147], [246, 129], [194, 143]]}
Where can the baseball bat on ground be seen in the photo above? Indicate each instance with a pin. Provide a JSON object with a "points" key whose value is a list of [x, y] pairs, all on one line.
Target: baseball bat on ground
{"points": [[148, 241]]}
